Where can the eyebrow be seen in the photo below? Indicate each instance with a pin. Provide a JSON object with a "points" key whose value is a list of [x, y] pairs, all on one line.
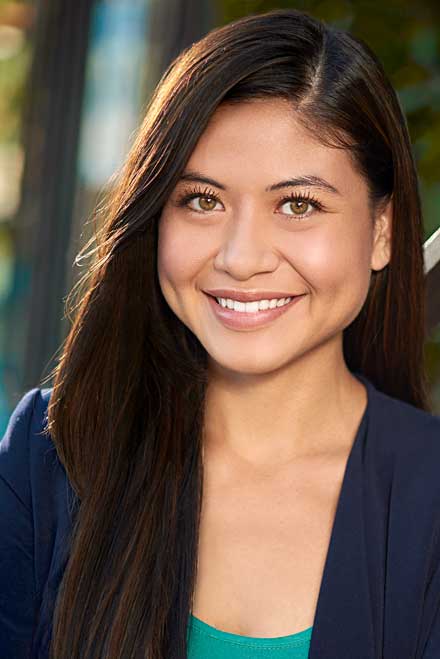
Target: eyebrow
{"points": [[308, 180]]}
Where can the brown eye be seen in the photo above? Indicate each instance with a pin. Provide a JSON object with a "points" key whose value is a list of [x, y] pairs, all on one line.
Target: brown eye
{"points": [[298, 206], [207, 203], [205, 199]]}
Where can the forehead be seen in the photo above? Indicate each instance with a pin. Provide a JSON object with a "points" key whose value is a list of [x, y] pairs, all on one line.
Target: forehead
{"points": [[261, 141]]}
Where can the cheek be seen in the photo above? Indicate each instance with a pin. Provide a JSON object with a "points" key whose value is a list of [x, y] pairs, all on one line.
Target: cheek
{"points": [[336, 264], [179, 253]]}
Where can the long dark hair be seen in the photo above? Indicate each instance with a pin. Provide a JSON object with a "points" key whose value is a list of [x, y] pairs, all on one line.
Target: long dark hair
{"points": [[126, 409]]}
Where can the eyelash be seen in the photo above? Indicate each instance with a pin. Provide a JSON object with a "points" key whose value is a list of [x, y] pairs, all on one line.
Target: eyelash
{"points": [[193, 193]]}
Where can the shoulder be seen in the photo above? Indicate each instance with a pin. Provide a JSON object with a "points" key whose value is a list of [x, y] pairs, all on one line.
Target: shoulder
{"points": [[34, 520], [402, 452], [29, 464], [409, 430], [28, 416]]}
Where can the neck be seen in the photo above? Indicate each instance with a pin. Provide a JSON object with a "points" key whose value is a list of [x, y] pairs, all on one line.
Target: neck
{"points": [[304, 409]]}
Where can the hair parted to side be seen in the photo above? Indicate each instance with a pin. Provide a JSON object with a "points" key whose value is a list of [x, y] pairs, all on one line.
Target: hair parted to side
{"points": [[126, 410]]}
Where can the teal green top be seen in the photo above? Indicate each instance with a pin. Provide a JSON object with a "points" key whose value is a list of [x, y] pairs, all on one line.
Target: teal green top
{"points": [[206, 641]]}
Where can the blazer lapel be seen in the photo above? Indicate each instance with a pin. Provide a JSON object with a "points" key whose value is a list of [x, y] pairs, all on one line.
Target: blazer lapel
{"points": [[344, 621]]}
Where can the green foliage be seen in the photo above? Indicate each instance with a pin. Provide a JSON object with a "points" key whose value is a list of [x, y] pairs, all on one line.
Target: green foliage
{"points": [[13, 72]]}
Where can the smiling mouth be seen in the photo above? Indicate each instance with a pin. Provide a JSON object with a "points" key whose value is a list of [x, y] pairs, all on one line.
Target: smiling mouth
{"points": [[253, 313], [290, 297], [248, 320]]}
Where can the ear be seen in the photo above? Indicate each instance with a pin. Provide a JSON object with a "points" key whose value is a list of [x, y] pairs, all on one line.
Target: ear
{"points": [[381, 251]]}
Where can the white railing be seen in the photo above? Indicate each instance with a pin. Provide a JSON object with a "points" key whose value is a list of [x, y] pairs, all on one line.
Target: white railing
{"points": [[432, 251]]}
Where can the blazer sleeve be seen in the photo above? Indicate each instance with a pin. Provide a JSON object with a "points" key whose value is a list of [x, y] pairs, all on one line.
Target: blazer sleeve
{"points": [[17, 577]]}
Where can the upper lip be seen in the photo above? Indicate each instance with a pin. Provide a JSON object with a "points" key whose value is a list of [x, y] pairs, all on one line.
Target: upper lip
{"points": [[247, 296]]}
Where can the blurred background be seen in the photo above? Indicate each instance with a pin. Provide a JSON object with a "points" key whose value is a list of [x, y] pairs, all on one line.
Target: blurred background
{"points": [[75, 78]]}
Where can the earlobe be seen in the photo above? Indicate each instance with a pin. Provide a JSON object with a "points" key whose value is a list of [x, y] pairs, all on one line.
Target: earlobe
{"points": [[381, 253]]}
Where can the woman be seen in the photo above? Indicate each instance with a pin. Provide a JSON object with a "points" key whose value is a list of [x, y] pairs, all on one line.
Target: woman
{"points": [[239, 457]]}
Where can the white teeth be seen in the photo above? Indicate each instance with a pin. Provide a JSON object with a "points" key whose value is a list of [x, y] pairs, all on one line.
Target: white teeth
{"points": [[252, 307]]}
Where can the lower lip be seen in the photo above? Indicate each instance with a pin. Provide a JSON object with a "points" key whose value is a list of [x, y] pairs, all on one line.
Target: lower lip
{"points": [[243, 320]]}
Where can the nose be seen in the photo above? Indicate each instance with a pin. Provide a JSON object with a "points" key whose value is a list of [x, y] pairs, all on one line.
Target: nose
{"points": [[246, 247]]}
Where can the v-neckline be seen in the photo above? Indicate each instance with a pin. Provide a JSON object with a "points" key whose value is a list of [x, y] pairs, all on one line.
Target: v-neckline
{"points": [[332, 561]]}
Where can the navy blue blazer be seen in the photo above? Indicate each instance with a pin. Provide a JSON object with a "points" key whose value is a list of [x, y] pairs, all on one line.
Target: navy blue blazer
{"points": [[380, 591]]}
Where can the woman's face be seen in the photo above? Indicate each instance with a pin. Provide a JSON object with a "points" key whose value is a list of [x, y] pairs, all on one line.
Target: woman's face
{"points": [[241, 232]]}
